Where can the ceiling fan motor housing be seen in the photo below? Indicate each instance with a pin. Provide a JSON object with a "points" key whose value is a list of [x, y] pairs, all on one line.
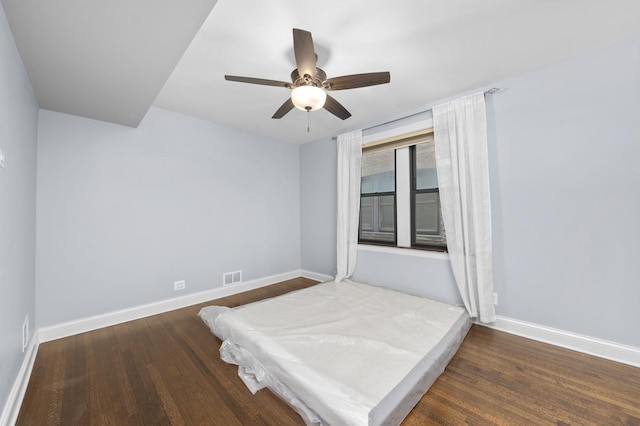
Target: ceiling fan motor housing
{"points": [[306, 80]]}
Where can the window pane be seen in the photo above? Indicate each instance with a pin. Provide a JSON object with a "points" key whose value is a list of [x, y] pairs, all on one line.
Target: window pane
{"points": [[377, 218], [428, 220], [378, 172], [386, 217], [366, 213], [425, 168]]}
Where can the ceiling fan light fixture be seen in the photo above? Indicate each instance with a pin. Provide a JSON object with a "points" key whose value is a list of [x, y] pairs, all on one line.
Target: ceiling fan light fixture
{"points": [[309, 83], [308, 98]]}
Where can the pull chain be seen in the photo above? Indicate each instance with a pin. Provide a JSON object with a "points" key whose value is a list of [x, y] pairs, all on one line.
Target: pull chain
{"points": [[308, 119]]}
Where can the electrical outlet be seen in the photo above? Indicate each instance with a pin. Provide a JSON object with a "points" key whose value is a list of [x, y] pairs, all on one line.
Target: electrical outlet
{"points": [[3, 159], [495, 299], [179, 285]]}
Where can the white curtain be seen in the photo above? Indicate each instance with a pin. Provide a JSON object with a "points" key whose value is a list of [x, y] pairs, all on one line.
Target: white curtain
{"points": [[349, 170], [460, 131]]}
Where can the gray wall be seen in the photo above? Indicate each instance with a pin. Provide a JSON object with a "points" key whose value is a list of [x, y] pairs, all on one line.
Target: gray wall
{"points": [[564, 144], [318, 186], [566, 196], [123, 213], [18, 134], [432, 278]]}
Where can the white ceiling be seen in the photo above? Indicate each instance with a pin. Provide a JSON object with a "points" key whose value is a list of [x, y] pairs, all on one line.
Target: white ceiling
{"points": [[102, 59], [109, 59]]}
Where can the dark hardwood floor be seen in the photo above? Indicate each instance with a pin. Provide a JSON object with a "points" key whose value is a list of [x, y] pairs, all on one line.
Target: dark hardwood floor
{"points": [[166, 369]]}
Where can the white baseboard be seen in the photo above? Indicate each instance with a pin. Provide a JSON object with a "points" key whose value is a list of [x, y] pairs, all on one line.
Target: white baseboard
{"points": [[315, 276], [95, 322], [577, 342], [12, 406]]}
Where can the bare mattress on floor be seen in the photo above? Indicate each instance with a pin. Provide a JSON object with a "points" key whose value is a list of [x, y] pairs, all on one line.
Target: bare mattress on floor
{"points": [[341, 353]]}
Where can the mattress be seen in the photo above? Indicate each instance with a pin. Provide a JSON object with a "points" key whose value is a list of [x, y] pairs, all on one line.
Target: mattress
{"points": [[341, 353]]}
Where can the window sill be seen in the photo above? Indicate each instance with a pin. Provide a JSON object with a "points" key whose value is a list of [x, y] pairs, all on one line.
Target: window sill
{"points": [[404, 251]]}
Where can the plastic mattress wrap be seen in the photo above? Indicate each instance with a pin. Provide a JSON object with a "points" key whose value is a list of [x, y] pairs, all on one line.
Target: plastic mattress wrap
{"points": [[341, 353]]}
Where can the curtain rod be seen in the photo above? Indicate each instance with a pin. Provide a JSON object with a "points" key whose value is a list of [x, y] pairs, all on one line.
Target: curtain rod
{"points": [[491, 91]]}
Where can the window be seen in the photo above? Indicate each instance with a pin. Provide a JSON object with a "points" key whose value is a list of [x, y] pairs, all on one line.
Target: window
{"points": [[378, 198], [400, 201], [427, 226]]}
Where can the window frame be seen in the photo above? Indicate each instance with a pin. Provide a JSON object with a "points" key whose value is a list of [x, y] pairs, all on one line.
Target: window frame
{"points": [[395, 221], [393, 243], [391, 135], [414, 192]]}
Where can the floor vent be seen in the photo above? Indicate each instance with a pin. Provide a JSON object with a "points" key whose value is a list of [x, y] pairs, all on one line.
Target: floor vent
{"points": [[230, 278]]}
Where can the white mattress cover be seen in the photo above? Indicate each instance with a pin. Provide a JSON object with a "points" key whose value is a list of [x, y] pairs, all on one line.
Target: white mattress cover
{"points": [[342, 353]]}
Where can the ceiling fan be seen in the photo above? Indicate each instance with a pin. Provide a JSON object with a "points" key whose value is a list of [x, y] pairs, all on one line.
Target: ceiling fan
{"points": [[310, 83]]}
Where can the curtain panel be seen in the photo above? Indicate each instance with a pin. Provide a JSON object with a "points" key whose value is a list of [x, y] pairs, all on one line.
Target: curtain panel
{"points": [[349, 171], [460, 131]]}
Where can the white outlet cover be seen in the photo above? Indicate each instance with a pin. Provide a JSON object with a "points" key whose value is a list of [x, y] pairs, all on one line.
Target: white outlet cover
{"points": [[2, 159]]}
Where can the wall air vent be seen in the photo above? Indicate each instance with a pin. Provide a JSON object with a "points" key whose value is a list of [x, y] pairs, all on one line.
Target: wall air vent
{"points": [[230, 278]]}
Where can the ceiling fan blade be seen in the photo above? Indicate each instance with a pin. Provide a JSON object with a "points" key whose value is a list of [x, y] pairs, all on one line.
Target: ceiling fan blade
{"points": [[261, 81], [335, 108], [304, 52], [285, 108], [357, 80]]}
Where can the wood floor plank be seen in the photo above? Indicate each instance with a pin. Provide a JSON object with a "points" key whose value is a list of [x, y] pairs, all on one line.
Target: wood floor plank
{"points": [[166, 370]]}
